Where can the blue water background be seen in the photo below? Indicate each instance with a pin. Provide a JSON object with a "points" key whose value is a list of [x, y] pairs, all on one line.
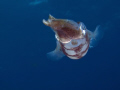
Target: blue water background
{"points": [[25, 40]]}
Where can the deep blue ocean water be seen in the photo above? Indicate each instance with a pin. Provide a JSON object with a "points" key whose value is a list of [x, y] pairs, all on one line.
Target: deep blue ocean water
{"points": [[25, 40]]}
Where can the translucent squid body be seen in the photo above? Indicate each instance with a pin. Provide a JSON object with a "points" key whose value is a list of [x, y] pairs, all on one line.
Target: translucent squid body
{"points": [[73, 38]]}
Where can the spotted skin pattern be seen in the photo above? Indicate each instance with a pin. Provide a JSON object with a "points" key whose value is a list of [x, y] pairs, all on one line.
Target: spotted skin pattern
{"points": [[79, 51]]}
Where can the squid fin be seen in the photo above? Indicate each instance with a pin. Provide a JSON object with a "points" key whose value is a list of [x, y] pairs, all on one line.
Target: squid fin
{"points": [[96, 36], [57, 54]]}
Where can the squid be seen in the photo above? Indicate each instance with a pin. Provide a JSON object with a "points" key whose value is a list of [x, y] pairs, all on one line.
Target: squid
{"points": [[73, 39]]}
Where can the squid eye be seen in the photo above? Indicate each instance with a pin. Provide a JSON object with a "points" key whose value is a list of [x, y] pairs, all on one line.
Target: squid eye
{"points": [[82, 26]]}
